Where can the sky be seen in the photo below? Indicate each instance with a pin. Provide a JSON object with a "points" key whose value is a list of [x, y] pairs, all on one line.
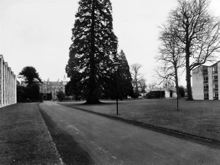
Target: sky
{"points": [[38, 33]]}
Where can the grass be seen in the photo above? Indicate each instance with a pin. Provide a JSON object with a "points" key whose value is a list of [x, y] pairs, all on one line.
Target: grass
{"points": [[24, 138], [200, 118]]}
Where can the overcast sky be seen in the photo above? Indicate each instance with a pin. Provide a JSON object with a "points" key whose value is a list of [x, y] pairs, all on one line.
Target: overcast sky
{"points": [[38, 32]]}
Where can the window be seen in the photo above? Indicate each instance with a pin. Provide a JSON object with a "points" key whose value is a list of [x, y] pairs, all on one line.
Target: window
{"points": [[215, 96], [206, 88], [215, 79], [205, 70], [215, 69], [206, 96], [206, 79], [215, 87]]}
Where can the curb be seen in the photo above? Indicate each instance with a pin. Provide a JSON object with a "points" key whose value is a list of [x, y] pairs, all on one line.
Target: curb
{"points": [[198, 139]]}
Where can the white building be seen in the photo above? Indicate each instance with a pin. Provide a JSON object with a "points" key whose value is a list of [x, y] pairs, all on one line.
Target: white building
{"points": [[167, 92], [8, 86], [205, 82]]}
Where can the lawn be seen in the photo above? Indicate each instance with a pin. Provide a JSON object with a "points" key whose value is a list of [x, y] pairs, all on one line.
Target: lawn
{"points": [[201, 118], [24, 138]]}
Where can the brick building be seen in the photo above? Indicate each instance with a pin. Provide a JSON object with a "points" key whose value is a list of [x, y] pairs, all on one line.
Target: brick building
{"points": [[8, 90], [205, 82]]}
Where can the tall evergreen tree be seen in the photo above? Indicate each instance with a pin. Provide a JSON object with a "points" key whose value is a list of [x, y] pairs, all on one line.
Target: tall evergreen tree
{"points": [[94, 46], [124, 77]]}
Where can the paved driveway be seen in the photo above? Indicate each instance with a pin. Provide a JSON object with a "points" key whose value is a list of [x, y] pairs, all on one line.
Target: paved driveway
{"points": [[108, 141]]}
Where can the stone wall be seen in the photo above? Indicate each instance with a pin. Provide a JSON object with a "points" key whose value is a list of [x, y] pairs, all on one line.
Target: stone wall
{"points": [[8, 92]]}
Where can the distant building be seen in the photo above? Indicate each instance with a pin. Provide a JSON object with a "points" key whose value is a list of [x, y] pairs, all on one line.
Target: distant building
{"points": [[205, 82], [167, 92], [8, 92], [49, 89]]}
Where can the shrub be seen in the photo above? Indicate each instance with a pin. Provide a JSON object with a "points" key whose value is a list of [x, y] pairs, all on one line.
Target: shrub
{"points": [[61, 95]]}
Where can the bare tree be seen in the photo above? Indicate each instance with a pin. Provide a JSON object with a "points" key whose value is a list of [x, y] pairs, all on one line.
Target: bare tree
{"points": [[151, 86], [199, 33], [170, 57], [136, 76], [142, 85]]}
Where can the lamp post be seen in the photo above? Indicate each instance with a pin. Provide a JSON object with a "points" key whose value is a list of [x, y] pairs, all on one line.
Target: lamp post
{"points": [[116, 65]]}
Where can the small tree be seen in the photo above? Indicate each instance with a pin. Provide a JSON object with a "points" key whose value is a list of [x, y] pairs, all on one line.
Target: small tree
{"points": [[170, 57], [142, 85], [60, 95], [181, 91], [136, 77]]}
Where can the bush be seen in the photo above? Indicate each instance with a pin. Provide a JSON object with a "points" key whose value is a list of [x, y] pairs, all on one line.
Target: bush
{"points": [[61, 95], [155, 94], [181, 91]]}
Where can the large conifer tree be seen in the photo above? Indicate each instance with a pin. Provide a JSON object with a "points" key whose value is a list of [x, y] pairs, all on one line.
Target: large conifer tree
{"points": [[93, 48]]}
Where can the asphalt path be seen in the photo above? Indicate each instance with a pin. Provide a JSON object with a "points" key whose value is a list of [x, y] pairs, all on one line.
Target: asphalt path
{"points": [[110, 141]]}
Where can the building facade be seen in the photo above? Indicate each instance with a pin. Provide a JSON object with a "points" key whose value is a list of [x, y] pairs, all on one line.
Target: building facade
{"points": [[206, 82], [49, 89], [168, 92], [8, 84]]}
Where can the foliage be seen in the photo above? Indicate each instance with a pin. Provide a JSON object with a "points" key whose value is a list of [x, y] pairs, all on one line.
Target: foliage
{"points": [[93, 48], [181, 91], [30, 92], [124, 80], [74, 87], [198, 32], [21, 93], [33, 92], [30, 75], [155, 94], [60, 95]]}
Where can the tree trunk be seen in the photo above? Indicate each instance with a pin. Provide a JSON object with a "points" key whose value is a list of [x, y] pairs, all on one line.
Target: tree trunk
{"points": [[92, 97], [188, 71], [177, 87], [188, 79]]}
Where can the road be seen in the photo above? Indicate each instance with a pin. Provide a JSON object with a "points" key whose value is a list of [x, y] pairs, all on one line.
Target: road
{"points": [[110, 141]]}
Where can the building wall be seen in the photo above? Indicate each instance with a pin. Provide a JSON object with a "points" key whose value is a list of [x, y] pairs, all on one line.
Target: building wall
{"points": [[8, 91], [198, 84], [210, 83], [206, 84], [218, 80]]}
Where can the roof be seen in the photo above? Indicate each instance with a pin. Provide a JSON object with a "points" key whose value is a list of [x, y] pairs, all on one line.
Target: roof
{"points": [[206, 65]]}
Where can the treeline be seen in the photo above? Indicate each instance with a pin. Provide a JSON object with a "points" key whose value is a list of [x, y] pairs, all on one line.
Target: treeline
{"points": [[28, 90]]}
